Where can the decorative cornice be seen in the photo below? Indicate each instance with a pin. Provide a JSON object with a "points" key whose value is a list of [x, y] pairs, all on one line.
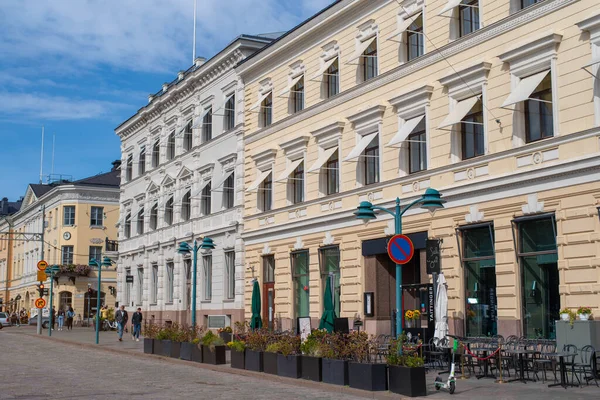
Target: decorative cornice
{"points": [[591, 25], [295, 145], [409, 102], [329, 134], [264, 157]]}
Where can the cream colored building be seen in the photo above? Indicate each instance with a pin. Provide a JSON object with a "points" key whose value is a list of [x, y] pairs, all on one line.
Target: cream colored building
{"points": [[80, 217], [496, 104]]}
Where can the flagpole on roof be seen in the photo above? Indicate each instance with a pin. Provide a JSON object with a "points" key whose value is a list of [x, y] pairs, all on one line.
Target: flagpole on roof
{"points": [[42, 157], [194, 40]]}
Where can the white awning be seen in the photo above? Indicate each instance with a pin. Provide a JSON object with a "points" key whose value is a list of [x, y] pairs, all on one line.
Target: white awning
{"points": [[406, 130], [319, 75], [322, 159], [286, 174], [291, 85], [261, 177], [449, 6], [404, 26], [261, 98], [593, 62], [524, 89], [222, 180], [203, 184], [360, 146], [461, 109], [361, 49], [198, 121]]}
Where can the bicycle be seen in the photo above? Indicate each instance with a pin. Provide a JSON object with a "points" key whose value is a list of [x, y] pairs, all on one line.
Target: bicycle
{"points": [[109, 326]]}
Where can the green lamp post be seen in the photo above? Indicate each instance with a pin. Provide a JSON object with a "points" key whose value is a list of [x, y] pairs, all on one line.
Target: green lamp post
{"points": [[185, 248], [106, 262], [51, 271], [430, 200]]}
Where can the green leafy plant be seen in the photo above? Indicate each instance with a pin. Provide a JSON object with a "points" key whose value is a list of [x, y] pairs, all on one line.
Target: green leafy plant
{"points": [[226, 329], [400, 355], [584, 310], [196, 341], [237, 345], [289, 344], [335, 346], [273, 348], [151, 330], [211, 340], [572, 315], [241, 328], [258, 340], [360, 346], [314, 343]]}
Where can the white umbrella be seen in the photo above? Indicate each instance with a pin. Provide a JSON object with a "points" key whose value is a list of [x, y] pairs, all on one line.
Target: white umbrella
{"points": [[441, 309]]}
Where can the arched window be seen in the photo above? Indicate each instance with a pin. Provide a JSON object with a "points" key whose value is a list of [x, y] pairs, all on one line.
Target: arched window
{"points": [[154, 217], [169, 212], [140, 222], [65, 300], [186, 206]]}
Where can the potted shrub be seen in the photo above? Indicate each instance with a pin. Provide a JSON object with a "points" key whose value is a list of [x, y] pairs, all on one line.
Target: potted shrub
{"points": [[213, 349], [567, 315], [335, 352], [362, 372], [256, 344], [311, 350], [270, 358], [170, 337], [584, 313], [288, 357], [238, 352], [406, 369], [189, 346], [150, 331], [225, 334], [411, 317]]}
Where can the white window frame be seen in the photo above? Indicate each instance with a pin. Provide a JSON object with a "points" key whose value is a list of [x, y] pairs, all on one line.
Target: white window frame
{"points": [[229, 262], [264, 165], [71, 216], [367, 32], [295, 155], [140, 286], [327, 138], [207, 273], [170, 282], [154, 284], [142, 160], [67, 252], [408, 12], [96, 208], [126, 288], [451, 11], [592, 25]]}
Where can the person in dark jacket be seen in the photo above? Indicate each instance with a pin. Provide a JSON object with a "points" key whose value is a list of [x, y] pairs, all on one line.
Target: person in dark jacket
{"points": [[53, 317], [121, 317], [136, 321]]}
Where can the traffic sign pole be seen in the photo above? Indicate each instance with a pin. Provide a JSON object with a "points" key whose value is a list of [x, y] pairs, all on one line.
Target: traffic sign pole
{"points": [[39, 316]]}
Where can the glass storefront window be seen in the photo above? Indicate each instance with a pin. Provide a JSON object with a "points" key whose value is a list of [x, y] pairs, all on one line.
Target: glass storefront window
{"points": [[539, 276], [481, 308], [330, 266], [301, 283]]}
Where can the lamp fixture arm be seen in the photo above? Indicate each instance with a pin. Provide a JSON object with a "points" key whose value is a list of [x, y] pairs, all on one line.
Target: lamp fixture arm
{"points": [[384, 209], [417, 201]]}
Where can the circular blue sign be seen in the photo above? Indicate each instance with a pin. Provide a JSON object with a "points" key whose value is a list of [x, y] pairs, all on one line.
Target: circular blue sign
{"points": [[400, 249]]}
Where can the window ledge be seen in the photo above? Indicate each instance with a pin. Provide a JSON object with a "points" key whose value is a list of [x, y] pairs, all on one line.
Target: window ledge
{"points": [[206, 301], [97, 227], [229, 301], [170, 303]]}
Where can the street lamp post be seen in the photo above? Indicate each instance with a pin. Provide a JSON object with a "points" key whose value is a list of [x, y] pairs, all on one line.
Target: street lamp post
{"points": [[50, 271], [106, 262], [430, 200], [185, 248]]}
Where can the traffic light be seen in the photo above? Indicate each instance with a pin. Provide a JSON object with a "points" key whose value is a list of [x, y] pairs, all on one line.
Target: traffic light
{"points": [[40, 288]]}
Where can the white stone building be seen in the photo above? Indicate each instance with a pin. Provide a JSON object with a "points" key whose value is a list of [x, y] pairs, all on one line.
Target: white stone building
{"points": [[182, 179]]}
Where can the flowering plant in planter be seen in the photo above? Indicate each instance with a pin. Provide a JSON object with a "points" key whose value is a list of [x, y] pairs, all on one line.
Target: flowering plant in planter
{"points": [[258, 340], [226, 329], [401, 355], [314, 343], [74, 270], [405, 369], [570, 315], [237, 345], [584, 310], [211, 340]]}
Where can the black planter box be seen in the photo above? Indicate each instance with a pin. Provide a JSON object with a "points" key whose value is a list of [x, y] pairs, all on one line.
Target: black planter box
{"points": [[335, 371], [170, 348], [196, 353], [158, 345], [254, 360], [407, 381], [215, 357], [372, 377], [148, 346], [289, 366], [186, 351], [238, 359], [226, 336], [311, 368], [270, 363]]}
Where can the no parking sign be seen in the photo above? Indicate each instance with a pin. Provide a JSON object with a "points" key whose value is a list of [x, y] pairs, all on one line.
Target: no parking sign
{"points": [[400, 249]]}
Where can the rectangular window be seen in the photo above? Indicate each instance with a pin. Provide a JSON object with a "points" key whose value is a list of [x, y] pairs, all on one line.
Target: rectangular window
{"points": [[207, 274], [228, 191], [479, 264], [127, 227], [154, 292], [332, 79], [369, 61], [332, 172], [538, 112], [169, 212], [538, 259], [170, 285], [207, 126], [298, 96], [414, 39], [468, 17], [300, 276], [171, 146], [140, 222], [97, 216], [186, 206], [230, 274], [69, 215], [156, 154], [154, 217], [298, 184], [268, 269], [129, 168], [527, 3], [188, 136], [127, 288], [230, 113], [330, 273], [265, 194], [67, 255], [142, 161], [472, 135], [205, 201], [140, 286], [266, 111], [371, 162], [417, 149], [96, 253]]}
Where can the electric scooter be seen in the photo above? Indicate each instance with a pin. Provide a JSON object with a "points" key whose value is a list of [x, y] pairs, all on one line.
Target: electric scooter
{"points": [[449, 385]]}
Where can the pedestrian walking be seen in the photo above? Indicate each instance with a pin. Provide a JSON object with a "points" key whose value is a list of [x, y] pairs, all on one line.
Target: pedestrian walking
{"points": [[136, 321], [70, 316], [61, 319], [121, 317], [53, 316]]}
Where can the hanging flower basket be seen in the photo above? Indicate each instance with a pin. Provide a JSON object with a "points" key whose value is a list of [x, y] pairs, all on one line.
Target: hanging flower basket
{"points": [[73, 270]]}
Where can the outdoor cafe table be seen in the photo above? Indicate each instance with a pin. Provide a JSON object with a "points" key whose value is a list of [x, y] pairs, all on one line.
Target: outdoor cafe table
{"points": [[563, 370], [521, 352], [486, 362]]}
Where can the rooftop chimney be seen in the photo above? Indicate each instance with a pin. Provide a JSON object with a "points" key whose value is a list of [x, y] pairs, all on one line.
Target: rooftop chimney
{"points": [[199, 61]]}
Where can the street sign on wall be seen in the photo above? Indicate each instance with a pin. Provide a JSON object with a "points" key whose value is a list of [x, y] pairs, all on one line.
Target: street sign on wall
{"points": [[433, 259], [400, 249], [128, 278]]}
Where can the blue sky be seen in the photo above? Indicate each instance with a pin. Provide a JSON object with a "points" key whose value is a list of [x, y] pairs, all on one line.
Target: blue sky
{"points": [[82, 67]]}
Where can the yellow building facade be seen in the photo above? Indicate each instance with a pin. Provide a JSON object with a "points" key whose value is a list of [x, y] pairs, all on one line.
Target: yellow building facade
{"points": [[79, 220], [495, 104]]}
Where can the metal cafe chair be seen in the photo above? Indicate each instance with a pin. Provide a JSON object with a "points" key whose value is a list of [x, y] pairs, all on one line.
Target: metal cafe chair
{"points": [[586, 355], [569, 360], [544, 362]]}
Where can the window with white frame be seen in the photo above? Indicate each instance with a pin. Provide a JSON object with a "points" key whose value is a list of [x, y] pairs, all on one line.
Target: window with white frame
{"points": [[95, 252], [188, 136], [170, 284], [142, 161], [140, 286], [140, 221], [156, 154], [229, 191], [414, 38], [186, 206], [206, 199], [266, 111], [207, 126], [297, 184], [230, 274], [533, 82], [171, 146], [229, 121], [154, 287], [464, 17], [154, 217], [169, 211], [371, 162], [129, 168], [67, 255], [207, 276], [265, 193], [68, 215], [332, 79], [97, 216], [409, 32], [127, 227], [329, 71], [127, 288], [293, 176], [528, 3], [592, 64], [328, 164], [263, 183], [369, 61], [365, 53], [297, 96]]}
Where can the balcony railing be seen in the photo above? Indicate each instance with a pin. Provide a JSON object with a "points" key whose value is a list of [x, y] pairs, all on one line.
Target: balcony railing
{"points": [[111, 245]]}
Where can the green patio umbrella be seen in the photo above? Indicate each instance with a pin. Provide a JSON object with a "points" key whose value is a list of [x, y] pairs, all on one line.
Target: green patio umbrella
{"points": [[256, 321], [329, 316]]}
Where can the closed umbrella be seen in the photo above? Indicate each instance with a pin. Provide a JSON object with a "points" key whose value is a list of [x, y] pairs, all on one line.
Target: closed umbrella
{"points": [[329, 316], [441, 309], [255, 321]]}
